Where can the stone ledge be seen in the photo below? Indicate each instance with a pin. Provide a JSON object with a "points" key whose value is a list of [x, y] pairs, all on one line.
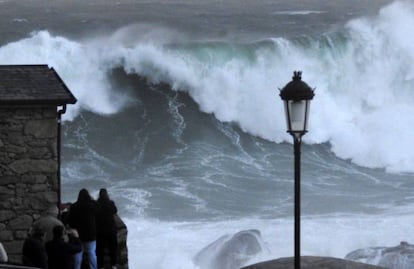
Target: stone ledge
{"points": [[312, 262]]}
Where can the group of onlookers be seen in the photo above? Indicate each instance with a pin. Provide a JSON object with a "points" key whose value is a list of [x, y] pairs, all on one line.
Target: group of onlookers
{"points": [[88, 228]]}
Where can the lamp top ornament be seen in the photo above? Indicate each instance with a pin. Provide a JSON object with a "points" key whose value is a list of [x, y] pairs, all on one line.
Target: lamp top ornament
{"points": [[297, 90]]}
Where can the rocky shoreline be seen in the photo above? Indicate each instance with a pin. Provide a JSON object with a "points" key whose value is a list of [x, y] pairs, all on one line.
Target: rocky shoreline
{"points": [[312, 262]]}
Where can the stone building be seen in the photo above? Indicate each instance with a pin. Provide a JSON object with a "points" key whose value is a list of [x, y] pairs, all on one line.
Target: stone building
{"points": [[32, 100]]}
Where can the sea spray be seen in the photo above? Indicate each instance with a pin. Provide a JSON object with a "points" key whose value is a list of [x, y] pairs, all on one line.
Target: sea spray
{"points": [[83, 69]]}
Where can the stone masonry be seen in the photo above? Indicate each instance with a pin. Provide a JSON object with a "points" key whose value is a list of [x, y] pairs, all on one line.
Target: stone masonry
{"points": [[28, 171]]}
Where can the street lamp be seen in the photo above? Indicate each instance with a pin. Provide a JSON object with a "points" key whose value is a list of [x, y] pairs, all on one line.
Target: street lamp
{"points": [[296, 96]]}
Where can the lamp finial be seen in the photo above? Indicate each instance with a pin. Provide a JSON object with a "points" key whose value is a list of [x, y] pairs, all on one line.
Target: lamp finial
{"points": [[297, 75]]}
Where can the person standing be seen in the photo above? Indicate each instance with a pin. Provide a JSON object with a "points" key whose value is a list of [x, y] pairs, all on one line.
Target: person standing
{"points": [[48, 221], [60, 253], [106, 229], [82, 217], [34, 253]]}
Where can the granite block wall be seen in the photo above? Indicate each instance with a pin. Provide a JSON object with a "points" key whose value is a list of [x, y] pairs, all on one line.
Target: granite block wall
{"points": [[28, 171]]}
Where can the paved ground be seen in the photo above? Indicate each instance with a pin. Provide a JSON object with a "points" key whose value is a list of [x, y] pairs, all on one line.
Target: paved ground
{"points": [[311, 262]]}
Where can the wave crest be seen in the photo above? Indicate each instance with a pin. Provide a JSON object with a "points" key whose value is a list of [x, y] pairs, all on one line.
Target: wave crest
{"points": [[363, 76]]}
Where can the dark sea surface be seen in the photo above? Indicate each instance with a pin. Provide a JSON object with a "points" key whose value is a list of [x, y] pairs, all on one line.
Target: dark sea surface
{"points": [[178, 116]]}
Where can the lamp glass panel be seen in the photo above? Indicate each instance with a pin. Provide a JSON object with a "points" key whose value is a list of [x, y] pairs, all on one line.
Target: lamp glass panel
{"points": [[297, 112], [307, 115], [286, 102]]}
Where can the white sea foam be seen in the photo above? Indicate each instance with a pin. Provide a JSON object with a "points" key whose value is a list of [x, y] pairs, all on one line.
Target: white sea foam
{"points": [[174, 245], [298, 12], [20, 20], [364, 81]]}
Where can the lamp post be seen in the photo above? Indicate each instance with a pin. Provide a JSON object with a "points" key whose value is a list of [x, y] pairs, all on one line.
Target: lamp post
{"points": [[296, 96]]}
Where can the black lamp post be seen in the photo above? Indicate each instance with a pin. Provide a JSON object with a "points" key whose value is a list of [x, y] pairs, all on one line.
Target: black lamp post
{"points": [[296, 96]]}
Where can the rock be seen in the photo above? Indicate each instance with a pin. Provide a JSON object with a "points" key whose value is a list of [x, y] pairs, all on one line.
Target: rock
{"points": [[6, 236], [13, 247], [122, 243], [399, 257], [230, 251], [21, 222], [312, 262], [45, 128], [23, 166]]}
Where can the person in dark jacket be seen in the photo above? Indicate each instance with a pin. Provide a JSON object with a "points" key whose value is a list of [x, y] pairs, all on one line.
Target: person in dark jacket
{"points": [[48, 221], [106, 229], [34, 253], [60, 253], [82, 217]]}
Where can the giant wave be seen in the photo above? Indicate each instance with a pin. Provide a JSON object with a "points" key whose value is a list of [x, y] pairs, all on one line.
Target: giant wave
{"points": [[363, 75]]}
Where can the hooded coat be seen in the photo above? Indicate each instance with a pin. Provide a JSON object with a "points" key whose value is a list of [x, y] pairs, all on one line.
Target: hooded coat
{"points": [[82, 217]]}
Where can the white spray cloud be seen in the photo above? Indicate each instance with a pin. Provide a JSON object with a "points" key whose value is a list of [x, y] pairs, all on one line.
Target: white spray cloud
{"points": [[83, 69]]}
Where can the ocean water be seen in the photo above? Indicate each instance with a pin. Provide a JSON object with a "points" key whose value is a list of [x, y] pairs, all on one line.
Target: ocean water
{"points": [[179, 117]]}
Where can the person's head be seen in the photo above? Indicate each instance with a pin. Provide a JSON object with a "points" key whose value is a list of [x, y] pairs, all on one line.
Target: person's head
{"points": [[58, 231], [103, 194], [37, 232], [84, 196]]}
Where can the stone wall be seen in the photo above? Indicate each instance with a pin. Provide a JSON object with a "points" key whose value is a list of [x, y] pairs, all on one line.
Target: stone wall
{"points": [[28, 171]]}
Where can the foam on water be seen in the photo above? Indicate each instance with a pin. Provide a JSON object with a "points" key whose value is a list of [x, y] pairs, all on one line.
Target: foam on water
{"points": [[174, 245]]}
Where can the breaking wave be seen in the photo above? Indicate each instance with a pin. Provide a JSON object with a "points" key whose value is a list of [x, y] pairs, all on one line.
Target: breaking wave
{"points": [[363, 75]]}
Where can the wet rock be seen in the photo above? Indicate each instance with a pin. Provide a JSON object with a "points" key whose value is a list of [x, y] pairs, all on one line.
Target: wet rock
{"points": [[399, 257], [230, 251]]}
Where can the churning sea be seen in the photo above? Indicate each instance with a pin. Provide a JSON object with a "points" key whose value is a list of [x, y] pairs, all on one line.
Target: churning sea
{"points": [[179, 117]]}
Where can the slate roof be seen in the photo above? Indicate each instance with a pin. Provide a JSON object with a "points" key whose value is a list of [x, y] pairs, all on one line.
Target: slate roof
{"points": [[32, 84]]}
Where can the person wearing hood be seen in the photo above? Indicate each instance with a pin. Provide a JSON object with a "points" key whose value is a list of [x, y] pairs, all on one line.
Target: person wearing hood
{"points": [[82, 217], [106, 229]]}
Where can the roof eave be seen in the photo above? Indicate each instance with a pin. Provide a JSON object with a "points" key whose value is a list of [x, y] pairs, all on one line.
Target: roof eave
{"points": [[50, 102]]}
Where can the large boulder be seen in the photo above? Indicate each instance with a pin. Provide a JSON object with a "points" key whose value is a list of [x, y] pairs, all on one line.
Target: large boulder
{"points": [[312, 262], [122, 243], [230, 251], [399, 257]]}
